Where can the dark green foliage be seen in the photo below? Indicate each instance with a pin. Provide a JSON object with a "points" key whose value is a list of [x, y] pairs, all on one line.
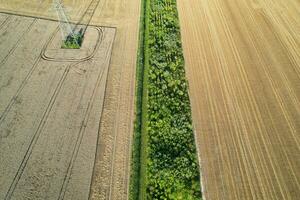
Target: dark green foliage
{"points": [[73, 41], [136, 160], [172, 168]]}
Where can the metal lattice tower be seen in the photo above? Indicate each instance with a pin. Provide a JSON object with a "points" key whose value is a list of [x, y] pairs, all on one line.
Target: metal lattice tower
{"points": [[64, 23], [86, 18]]}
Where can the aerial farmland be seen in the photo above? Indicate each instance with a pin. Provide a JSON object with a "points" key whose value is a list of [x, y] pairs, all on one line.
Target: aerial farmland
{"points": [[54, 102], [242, 63], [150, 99]]}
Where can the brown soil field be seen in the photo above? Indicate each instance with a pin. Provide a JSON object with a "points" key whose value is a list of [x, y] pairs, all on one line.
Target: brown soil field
{"points": [[111, 170], [243, 66]]}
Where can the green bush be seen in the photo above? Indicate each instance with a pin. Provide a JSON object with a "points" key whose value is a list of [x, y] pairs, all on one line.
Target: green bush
{"points": [[73, 41], [172, 169]]}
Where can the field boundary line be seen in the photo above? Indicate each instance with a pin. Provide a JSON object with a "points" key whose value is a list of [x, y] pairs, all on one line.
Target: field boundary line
{"points": [[135, 152], [29, 15]]}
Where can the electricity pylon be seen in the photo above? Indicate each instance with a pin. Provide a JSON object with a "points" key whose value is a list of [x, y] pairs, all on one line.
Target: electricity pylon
{"points": [[73, 34], [64, 22], [86, 18]]}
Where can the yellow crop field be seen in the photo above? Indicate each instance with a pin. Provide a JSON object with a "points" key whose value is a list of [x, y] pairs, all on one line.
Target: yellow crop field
{"points": [[243, 66], [26, 26]]}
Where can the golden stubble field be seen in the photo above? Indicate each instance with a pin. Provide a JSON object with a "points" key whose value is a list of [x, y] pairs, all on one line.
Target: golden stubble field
{"points": [[111, 170], [243, 66]]}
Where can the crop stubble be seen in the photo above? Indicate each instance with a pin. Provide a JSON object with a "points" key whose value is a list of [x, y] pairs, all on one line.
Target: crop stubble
{"points": [[243, 66]]}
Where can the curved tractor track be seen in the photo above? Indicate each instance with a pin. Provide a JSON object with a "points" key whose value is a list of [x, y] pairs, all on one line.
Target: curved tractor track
{"points": [[111, 170], [50, 109]]}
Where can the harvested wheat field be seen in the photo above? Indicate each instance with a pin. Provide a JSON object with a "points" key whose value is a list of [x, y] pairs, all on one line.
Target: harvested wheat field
{"points": [[59, 108], [243, 66]]}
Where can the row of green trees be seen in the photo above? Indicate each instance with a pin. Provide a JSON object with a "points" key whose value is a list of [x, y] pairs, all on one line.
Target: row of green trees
{"points": [[171, 163]]}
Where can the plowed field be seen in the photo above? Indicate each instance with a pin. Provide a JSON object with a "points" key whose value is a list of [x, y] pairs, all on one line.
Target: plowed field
{"points": [[243, 66]]}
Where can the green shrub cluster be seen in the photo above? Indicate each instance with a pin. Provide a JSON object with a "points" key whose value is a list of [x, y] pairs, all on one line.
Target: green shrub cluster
{"points": [[172, 167], [73, 41]]}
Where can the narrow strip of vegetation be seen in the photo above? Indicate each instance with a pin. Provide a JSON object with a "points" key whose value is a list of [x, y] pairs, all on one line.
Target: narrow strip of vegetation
{"points": [[135, 174], [168, 161]]}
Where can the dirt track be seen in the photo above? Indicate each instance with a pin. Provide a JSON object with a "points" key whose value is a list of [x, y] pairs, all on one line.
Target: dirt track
{"points": [[243, 65], [111, 172]]}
